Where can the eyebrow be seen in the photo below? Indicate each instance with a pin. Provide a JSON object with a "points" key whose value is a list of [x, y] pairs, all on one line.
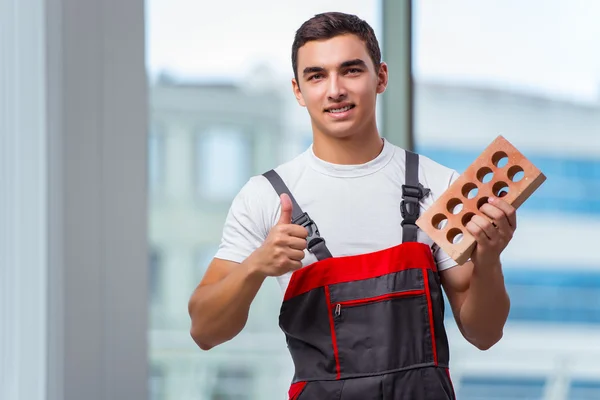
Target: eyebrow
{"points": [[354, 63], [350, 63]]}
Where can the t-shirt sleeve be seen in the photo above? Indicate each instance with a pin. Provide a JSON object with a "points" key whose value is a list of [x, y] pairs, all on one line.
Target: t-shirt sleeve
{"points": [[442, 259], [244, 229]]}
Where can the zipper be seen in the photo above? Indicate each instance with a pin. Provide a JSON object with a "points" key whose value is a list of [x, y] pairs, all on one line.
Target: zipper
{"points": [[375, 299]]}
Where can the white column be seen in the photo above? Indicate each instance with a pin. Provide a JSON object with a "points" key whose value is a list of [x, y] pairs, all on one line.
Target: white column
{"points": [[97, 138], [23, 212]]}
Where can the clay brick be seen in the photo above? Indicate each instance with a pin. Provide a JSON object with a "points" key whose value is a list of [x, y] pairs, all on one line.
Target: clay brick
{"points": [[461, 194]]}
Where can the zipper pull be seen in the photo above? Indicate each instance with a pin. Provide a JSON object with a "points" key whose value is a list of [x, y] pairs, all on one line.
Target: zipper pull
{"points": [[338, 309]]}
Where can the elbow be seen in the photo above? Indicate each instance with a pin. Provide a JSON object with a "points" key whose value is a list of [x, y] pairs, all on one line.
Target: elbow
{"points": [[204, 346], [197, 337], [195, 330], [487, 343], [206, 338]]}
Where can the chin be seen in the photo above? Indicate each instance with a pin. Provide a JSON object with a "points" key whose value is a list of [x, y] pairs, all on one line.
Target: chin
{"points": [[342, 130]]}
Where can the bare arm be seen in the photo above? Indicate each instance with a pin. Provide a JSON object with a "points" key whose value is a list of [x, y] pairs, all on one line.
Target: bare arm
{"points": [[479, 302], [219, 306], [476, 289]]}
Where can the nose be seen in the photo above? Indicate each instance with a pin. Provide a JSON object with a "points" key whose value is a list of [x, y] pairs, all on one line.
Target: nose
{"points": [[336, 90]]}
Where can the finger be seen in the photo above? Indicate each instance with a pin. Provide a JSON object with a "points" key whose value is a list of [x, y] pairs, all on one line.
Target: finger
{"points": [[296, 231], [477, 232], [286, 210], [498, 217], [509, 211], [485, 225], [295, 255], [297, 243], [294, 265]]}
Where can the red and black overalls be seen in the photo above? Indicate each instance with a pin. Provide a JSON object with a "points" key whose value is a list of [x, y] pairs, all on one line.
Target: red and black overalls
{"points": [[369, 326]]}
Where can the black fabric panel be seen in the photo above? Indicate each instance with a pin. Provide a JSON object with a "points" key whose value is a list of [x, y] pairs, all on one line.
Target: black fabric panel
{"points": [[305, 321], [437, 306], [367, 388], [383, 336], [429, 383], [322, 390], [410, 279]]}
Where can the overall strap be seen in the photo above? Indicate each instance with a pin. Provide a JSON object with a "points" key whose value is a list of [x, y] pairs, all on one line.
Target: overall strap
{"points": [[412, 193], [315, 243]]}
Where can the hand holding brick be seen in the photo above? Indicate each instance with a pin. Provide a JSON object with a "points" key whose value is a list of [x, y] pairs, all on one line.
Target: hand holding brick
{"points": [[500, 171]]}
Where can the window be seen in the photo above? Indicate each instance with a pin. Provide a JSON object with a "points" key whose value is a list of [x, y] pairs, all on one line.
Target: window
{"points": [[155, 273], [157, 383], [474, 83], [223, 162], [156, 158], [493, 388], [584, 390], [538, 85], [554, 296], [232, 383], [204, 256], [220, 84]]}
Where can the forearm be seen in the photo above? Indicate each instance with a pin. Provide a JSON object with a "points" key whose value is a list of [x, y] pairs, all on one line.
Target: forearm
{"points": [[486, 306], [219, 311]]}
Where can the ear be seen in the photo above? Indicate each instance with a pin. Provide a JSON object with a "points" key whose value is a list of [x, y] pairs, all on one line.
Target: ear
{"points": [[382, 78], [297, 92]]}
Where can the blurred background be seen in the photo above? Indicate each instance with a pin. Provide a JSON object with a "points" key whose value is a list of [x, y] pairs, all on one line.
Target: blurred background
{"points": [[221, 109]]}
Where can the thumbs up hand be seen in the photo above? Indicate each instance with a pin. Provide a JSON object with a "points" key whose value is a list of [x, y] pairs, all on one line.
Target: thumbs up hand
{"points": [[283, 249]]}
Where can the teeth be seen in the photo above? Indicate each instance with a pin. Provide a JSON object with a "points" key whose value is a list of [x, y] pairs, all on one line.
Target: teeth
{"points": [[337, 110]]}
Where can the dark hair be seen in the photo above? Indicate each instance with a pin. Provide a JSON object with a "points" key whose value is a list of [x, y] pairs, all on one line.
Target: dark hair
{"points": [[331, 24]]}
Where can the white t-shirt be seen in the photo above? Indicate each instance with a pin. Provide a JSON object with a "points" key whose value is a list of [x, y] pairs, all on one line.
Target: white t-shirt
{"points": [[356, 207]]}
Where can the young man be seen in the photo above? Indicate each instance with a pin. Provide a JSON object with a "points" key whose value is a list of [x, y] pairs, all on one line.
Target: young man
{"points": [[363, 306]]}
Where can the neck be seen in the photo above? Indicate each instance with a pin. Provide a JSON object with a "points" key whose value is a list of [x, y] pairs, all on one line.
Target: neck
{"points": [[352, 150]]}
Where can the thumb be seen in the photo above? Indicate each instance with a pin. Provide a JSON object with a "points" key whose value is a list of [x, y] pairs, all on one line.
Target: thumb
{"points": [[286, 210]]}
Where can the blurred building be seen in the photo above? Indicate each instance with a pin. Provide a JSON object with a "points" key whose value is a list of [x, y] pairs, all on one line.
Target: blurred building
{"points": [[551, 268], [207, 139]]}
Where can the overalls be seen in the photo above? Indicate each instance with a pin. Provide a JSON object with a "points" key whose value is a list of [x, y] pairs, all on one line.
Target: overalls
{"points": [[369, 326]]}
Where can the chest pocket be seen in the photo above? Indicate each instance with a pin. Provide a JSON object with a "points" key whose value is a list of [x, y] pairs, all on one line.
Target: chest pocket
{"points": [[383, 323]]}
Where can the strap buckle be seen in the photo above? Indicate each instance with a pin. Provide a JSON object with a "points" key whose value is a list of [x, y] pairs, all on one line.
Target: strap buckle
{"points": [[313, 237], [409, 207], [418, 192]]}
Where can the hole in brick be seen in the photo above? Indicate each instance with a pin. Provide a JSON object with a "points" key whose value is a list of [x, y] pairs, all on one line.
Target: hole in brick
{"points": [[467, 217], [515, 173], [500, 159], [454, 236], [485, 174], [500, 189], [470, 190], [439, 221], [481, 202], [455, 206]]}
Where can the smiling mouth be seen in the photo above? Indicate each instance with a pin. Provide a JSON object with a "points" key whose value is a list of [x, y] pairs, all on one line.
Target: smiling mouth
{"points": [[340, 110]]}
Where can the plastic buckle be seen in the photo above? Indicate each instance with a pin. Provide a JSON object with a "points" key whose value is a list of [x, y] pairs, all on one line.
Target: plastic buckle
{"points": [[414, 191], [409, 207], [313, 237]]}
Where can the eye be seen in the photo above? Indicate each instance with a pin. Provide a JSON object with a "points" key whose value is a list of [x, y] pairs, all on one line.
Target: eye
{"points": [[354, 70], [315, 76]]}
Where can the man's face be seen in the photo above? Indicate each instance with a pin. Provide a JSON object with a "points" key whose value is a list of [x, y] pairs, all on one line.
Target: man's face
{"points": [[338, 84]]}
